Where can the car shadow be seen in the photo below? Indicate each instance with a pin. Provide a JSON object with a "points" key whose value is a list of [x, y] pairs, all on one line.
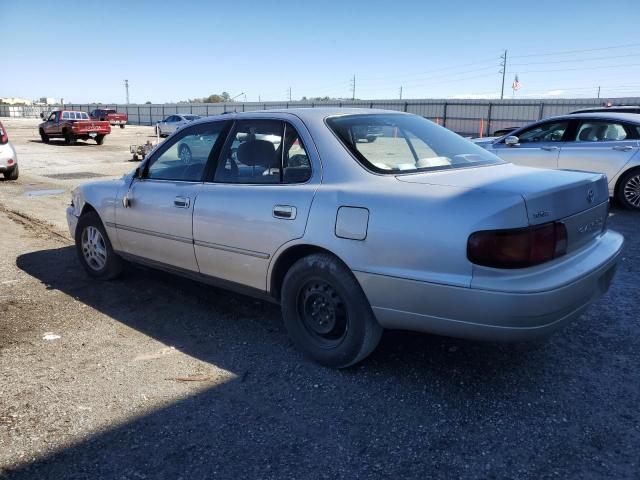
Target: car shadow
{"points": [[280, 406], [61, 143]]}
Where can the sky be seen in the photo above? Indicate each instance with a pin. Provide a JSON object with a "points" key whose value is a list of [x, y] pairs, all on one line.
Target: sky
{"points": [[83, 51]]}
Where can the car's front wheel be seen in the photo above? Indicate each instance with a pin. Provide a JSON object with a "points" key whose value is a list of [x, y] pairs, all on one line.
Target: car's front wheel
{"points": [[629, 190], [326, 312], [94, 248], [44, 137]]}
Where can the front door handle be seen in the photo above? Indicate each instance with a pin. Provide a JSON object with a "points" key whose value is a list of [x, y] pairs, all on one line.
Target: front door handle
{"points": [[549, 149], [623, 148], [182, 202], [286, 212]]}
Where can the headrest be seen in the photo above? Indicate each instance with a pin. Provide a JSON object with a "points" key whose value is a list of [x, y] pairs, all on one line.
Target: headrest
{"points": [[585, 133], [256, 153]]}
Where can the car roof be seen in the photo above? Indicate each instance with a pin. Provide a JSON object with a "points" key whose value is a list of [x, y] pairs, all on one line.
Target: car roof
{"points": [[604, 109], [627, 117]]}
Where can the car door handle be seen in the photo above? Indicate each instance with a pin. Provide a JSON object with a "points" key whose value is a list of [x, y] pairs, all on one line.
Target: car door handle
{"points": [[549, 149], [285, 212], [623, 148], [182, 202]]}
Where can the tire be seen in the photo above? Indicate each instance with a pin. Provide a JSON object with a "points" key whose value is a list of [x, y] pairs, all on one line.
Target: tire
{"points": [[44, 137], [13, 174], [96, 253], [628, 192], [326, 312], [69, 138], [184, 152], [121, 125], [100, 139]]}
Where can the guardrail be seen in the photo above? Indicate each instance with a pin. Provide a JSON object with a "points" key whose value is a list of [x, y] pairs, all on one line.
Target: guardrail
{"points": [[466, 117]]}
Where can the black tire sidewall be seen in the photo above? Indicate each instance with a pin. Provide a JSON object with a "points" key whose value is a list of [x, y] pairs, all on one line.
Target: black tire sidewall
{"points": [[359, 312], [112, 266]]}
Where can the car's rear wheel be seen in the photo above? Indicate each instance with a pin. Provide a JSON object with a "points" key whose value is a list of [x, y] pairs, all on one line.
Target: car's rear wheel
{"points": [[100, 139], [69, 137], [629, 190], [94, 248], [326, 312], [122, 125], [184, 152], [13, 174], [44, 137]]}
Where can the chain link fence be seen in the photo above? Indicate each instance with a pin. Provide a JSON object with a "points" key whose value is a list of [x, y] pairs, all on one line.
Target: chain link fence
{"points": [[466, 117]]}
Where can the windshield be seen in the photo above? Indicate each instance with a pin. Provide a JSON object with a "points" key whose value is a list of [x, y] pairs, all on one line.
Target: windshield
{"points": [[397, 143]]}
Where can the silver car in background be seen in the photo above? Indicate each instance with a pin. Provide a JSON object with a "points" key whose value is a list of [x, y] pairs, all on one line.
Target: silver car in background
{"points": [[8, 156], [602, 142], [172, 123], [419, 229]]}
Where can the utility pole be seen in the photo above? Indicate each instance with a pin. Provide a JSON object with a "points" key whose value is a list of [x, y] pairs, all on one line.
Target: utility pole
{"points": [[126, 87], [289, 91], [503, 64], [353, 87], [598, 91], [400, 92]]}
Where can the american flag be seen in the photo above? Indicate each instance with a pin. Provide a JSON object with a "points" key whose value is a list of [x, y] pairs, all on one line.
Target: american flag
{"points": [[516, 85]]}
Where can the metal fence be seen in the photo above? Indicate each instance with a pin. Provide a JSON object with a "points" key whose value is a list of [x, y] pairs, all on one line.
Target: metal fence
{"points": [[466, 117]]}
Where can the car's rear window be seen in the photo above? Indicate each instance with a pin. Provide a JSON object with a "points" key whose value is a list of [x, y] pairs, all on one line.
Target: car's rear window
{"points": [[399, 143]]}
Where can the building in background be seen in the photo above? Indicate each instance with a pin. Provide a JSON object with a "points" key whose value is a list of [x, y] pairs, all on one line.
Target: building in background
{"points": [[15, 101]]}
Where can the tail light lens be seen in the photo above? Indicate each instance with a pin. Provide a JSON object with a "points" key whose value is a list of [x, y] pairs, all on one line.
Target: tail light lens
{"points": [[518, 248]]}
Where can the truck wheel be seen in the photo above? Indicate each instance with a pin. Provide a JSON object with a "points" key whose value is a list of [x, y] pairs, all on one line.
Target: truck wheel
{"points": [[122, 125], [629, 190], [13, 174], [94, 248], [100, 139], [44, 137], [69, 137], [326, 312]]}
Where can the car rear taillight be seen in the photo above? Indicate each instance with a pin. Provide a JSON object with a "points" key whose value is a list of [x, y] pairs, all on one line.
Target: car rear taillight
{"points": [[4, 138], [518, 248]]}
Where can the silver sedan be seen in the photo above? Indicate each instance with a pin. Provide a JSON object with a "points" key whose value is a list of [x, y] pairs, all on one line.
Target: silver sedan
{"points": [[419, 229], [602, 142], [174, 122]]}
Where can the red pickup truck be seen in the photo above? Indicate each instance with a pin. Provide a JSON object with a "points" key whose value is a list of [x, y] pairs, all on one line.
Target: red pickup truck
{"points": [[72, 126], [110, 115]]}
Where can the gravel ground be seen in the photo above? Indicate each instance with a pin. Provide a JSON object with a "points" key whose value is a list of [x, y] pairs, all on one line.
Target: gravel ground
{"points": [[154, 376]]}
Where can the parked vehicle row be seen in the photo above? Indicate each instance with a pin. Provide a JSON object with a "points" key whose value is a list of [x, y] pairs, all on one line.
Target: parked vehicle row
{"points": [[419, 229], [8, 156], [602, 142], [110, 115], [172, 123]]}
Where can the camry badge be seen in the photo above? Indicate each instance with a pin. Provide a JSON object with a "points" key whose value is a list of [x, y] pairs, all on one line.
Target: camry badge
{"points": [[590, 196]]}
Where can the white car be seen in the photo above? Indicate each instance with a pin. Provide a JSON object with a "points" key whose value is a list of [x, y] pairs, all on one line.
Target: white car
{"points": [[601, 142], [172, 123], [8, 156], [418, 230]]}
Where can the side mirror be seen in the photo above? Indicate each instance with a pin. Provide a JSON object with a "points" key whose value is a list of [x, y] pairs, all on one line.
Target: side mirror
{"points": [[512, 141], [137, 173], [42, 115]]}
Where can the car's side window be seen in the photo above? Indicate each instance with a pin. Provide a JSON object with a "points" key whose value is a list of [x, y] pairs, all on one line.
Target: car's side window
{"points": [[52, 117], [65, 115], [600, 131], [185, 158], [295, 161], [546, 132], [252, 154]]}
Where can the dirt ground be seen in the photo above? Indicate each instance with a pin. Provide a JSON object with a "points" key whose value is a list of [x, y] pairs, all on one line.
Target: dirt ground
{"points": [[154, 376]]}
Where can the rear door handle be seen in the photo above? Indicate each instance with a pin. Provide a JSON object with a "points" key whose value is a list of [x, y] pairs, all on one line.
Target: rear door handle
{"points": [[623, 148], [182, 202], [286, 212], [549, 149]]}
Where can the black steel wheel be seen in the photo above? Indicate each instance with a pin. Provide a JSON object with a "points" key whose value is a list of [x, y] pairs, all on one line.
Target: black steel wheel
{"points": [[326, 313]]}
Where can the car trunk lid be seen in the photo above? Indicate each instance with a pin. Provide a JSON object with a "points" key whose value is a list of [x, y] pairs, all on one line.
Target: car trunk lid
{"points": [[578, 199]]}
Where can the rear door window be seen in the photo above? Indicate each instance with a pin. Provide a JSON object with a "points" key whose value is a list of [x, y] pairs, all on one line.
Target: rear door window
{"points": [[600, 131]]}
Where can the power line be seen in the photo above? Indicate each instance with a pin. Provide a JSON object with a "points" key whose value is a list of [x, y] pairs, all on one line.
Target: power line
{"points": [[577, 51], [581, 68], [580, 59]]}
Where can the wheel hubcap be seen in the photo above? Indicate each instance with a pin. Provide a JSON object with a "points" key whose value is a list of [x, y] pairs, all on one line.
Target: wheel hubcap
{"points": [[185, 154], [94, 248], [632, 191], [323, 313]]}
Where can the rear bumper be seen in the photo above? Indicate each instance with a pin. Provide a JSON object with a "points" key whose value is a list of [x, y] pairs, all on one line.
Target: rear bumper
{"points": [[492, 314], [117, 122]]}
